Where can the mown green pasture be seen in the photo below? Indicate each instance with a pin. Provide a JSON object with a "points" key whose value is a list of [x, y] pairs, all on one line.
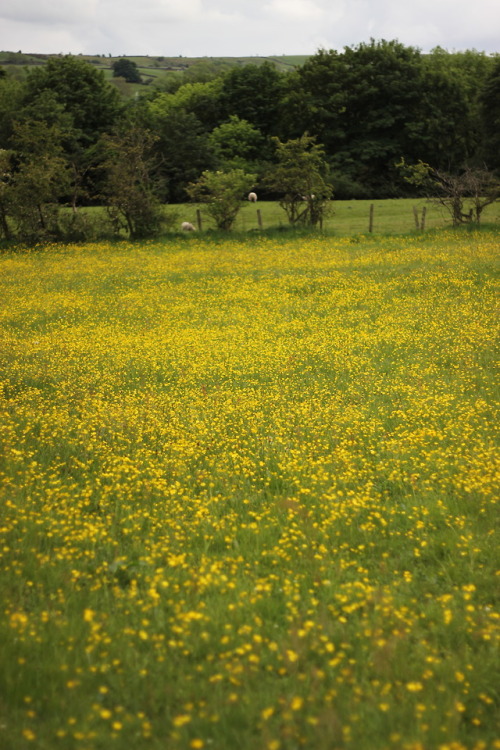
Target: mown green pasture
{"points": [[344, 217], [249, 494]]}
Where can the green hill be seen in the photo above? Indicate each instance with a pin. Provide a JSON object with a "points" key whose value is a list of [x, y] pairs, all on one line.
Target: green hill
{"points": [[154, 69]]}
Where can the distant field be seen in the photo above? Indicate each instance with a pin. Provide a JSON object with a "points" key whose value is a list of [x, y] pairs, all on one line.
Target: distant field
{"points": [[153, 68], [249, 494]]}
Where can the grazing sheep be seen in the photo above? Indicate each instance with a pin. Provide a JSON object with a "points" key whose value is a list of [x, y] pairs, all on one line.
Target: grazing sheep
{"points": [[308, 197], [252, 197], [188, 227]]}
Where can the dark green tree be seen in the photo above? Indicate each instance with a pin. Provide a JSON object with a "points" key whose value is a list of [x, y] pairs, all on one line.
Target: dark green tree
{"points": [[90, 103], [451, 88], [371, 89], [469, 67], [183, 150], [440, 129], [127, 69], [11, 97], [490, 117], [47, 109], [39, 181], [371, 103], [131, 187], [315, 99], [5, 180], [83, 91], [253, 93]]}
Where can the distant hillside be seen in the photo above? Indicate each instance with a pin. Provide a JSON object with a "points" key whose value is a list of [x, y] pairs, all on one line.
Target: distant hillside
{"points": [[154, 69]]}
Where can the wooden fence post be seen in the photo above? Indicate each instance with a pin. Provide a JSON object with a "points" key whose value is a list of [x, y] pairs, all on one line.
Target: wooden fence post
{"points": [[422, 223], [259, 218], [370, 225], [198, 219], [415, 215]]}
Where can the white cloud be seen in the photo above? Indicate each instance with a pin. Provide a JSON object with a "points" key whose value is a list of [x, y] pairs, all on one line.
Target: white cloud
{"points": [[243, 27], [152, 11], [301, 10], [34, 12]]}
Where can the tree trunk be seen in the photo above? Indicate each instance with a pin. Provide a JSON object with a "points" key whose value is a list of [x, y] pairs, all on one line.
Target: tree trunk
{"points": [[3, 224]]}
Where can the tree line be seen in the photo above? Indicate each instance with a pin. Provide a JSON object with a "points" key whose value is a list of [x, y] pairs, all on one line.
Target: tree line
{"points": [[356, 122]]}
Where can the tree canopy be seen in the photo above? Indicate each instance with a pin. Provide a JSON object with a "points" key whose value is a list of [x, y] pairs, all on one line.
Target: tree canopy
{"points": [[341, 121], [83, 91], [126, 69]]}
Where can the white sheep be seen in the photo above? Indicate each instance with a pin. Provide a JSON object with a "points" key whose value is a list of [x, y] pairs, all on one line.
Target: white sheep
{"points": [[252, 197], [308, 197], [188, 227]]}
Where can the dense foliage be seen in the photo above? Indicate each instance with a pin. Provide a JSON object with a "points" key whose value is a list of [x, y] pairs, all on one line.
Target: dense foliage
{"points": [[126, 69], [367, 107]]}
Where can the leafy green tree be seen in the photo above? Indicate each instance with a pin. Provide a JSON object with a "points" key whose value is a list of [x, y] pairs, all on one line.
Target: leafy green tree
{"points": [[199, 99], [299, 177], [440, 128], [130, 189], [183, 151], [315, 99], [223, 193], [5, 180], [90, 105], [447, 129], [253, 93], [183, 121], [356, 103], [236, 144], [490, 117], [127, 69], [40, 180], [11, 96], [83, 91], [371, 103], [469, 68], [203, 71], [47, 109]]}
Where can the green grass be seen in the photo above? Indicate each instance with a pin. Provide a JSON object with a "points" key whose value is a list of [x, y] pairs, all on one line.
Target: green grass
{"points": [[249, 494], [347, 217]]}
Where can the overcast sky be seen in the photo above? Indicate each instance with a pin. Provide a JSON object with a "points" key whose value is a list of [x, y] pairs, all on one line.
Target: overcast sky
{"points": [[195, 28]]}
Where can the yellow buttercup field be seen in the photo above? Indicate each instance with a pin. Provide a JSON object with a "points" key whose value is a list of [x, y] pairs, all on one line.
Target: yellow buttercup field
{"points": [[249, 495]]}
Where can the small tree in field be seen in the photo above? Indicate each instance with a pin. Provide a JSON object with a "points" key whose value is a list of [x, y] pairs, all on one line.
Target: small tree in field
{"points": [[472, 187], [41, 178], [130, 190], [5, 179], [300, 178], [223, 193], [126, 69]]}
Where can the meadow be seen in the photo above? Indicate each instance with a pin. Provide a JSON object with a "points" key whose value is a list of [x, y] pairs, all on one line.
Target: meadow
{"points": [[249, 494]]}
